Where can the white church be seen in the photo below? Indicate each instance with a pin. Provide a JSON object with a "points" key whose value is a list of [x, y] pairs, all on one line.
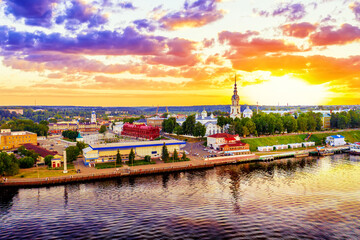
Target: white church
{"points": [[210, 122]]}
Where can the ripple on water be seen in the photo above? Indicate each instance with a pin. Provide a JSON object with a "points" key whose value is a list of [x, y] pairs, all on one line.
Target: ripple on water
{"points": [[300, 199]]}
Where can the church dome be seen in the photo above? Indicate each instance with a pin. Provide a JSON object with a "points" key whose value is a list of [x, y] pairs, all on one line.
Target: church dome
{"points": [[248, 110]]}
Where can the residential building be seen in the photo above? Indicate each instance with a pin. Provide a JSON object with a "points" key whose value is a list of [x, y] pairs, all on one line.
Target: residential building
{"points": [[335, 140], [58, 128], [10, 140], [216, 140], [155, 122], [326, 120], [140, 131], [107, 152]]}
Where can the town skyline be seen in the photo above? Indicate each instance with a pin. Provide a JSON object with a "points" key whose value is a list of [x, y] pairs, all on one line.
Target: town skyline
{"points": [[186, 53]]}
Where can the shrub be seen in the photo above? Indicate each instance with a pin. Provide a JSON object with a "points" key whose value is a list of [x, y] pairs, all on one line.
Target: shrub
{"points": [[26, 162]]}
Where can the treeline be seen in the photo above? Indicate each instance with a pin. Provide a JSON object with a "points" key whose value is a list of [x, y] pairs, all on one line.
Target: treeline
{"points": [[263, 124], [343, 120], [41, 129], [189, 127], [6, 115]]}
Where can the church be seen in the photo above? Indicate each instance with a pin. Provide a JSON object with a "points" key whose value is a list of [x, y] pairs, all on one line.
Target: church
{"points": [[235, 108]]}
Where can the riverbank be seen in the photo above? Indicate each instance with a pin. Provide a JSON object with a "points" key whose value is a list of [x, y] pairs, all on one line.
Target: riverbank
{"points": [[105, 174], [318, 138]]}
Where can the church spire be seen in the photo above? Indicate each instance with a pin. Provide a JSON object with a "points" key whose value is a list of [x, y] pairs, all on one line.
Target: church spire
{"points": [[235, 87]]}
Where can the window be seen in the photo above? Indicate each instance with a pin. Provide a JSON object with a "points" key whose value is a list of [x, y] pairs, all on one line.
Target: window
{"points": [[154, 152]]}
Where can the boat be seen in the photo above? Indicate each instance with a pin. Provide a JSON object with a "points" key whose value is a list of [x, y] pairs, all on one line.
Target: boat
{"points": [[355, 148], [322, 151]]}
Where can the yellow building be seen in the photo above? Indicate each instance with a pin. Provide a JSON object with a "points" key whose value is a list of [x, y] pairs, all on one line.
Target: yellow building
{"points": [[155, 122], [326, 120], [10, 140], [107, 152]]}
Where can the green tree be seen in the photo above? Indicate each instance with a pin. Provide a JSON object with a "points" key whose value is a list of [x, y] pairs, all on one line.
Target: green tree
{"points": [[72, 152], [199, 130], [48, 159], [168, 125], [178, 130], [175, 155], [302, 123], [8, 164], [290, 123], [81, 146], [70, 134], [131, 157], [147, 158], [184, 156], [102, 129], [189, 125], [118, 158], [165, 154], [26, 162]]}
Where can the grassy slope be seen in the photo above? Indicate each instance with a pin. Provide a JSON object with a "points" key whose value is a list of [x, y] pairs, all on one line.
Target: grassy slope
{"points": [[350, 136]]}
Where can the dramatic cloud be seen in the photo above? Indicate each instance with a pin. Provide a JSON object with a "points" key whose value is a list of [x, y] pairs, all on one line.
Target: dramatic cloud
{"points": [[328, 36], [35, 12], [79, 13], [242, 46], [299, 30], [292, 11], [128, 42], [196, 14]]}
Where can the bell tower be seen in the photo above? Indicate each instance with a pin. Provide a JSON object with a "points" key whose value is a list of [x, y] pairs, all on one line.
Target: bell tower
{"points": [[235, 109]]}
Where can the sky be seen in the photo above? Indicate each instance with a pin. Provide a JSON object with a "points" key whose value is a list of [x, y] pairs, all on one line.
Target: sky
{"points": [[177, 53]]}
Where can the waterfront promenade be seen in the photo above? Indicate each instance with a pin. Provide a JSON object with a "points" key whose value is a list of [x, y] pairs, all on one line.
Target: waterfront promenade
{"points": [[92, 174]]}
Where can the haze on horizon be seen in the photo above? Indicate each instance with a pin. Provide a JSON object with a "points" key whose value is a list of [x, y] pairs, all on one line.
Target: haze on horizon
{"points": [[179, 53]]}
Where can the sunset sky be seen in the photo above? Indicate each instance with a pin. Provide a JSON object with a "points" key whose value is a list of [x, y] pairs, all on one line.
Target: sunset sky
{"points": [[149, 53]]}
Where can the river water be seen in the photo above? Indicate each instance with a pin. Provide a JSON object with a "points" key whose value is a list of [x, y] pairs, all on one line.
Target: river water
{"points": [[312, 198]]}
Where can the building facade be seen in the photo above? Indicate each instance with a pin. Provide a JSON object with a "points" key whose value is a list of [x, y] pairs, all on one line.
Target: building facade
{"points": [[335, 140], [326, 120], [107, 152], [140, 131], [155, 122], [11, 140], [228, 144], [58, 128]]}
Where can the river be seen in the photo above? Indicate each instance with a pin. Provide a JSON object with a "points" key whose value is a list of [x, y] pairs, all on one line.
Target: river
{"points": [[312, 198]]}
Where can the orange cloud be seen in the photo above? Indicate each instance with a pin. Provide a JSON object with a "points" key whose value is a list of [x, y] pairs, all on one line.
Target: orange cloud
{"points": [[327, 36]]}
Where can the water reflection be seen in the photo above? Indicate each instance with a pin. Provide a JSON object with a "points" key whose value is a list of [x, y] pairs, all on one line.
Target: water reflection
{"points": [[292, 198], [7, 196]]}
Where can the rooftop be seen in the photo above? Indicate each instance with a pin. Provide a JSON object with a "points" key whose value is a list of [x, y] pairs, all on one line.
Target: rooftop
{"points": [[223, 135], [41, 151], [136, 144]]}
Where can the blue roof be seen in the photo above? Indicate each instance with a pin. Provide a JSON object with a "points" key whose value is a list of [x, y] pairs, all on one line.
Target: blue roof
{"points": [[337, 136]]}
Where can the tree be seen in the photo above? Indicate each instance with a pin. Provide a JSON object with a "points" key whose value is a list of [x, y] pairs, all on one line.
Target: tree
{"points": [[199, 130], [168, 125], [165, 153], [279, 126], [131, 157], [70, 134], [118, 158], [8, 164], [184, 156], [189, 125], [302, 123], [52, 120], [48, 159], [147, 158], [81, 146], [175, 155], [102, 129], [72, 153], [290, 123], [26, 162], [178, 130]]}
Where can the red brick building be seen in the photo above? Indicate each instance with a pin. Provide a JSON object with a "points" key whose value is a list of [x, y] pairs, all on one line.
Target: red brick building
{"points": [[140, 131]]}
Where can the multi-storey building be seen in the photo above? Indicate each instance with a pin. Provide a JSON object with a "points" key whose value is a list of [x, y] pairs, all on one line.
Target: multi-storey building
{"points": [[58, 128], [11, 140], [140, 131]]}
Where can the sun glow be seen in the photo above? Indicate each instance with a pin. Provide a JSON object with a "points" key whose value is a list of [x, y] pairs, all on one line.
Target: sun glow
{"points": [[285, 90]]}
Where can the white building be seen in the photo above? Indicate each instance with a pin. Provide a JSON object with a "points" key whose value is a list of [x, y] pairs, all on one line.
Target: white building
{"points": [[265, 148], [235, 108], [335, 140], [295, 145], [248, 113], [210, 123], [308, 144], [93, 117], [281, 147], [117, 127], [216, 140]]}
